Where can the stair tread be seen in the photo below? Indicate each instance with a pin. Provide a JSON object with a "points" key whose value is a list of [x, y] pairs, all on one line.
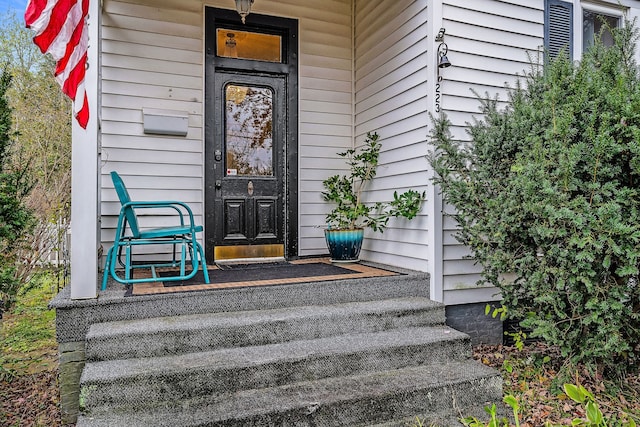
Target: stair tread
{"points": [[238, 357], [305, 396], [244, 318]]}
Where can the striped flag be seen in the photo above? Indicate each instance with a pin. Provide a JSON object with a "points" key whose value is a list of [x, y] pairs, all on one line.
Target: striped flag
{"points": [[61, 30]]}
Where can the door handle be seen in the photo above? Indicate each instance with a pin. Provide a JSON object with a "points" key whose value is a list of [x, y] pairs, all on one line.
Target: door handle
{"points": [[218, 184]]}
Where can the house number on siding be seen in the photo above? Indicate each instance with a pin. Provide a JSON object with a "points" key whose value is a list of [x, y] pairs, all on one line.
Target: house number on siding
{"points": [[438, 94]]}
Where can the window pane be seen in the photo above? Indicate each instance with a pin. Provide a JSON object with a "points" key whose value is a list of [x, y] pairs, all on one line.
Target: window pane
{"points": [[593, 24], [248, 130], [249, 45]]}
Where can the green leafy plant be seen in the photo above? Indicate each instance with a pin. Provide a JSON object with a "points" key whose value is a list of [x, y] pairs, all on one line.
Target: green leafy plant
{"points": [[594, 416], [494, 421], [547, 196], [345, 191]]}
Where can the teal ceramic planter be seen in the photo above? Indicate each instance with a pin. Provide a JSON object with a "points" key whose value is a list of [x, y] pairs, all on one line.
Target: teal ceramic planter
{"points": [[344, 245]]}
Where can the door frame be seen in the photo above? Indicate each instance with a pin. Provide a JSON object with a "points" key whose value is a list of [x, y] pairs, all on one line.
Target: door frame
{"points": [[288, 29]]}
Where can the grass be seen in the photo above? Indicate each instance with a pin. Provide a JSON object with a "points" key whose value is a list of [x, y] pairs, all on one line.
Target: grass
{"points": [[28, 343], [28, 359]]}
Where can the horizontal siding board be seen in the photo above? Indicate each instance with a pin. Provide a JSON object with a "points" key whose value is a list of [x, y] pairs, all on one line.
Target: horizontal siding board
{"points": [[160, 143], [471, 295], [460, 266], [136, 102], [332, 97], [326, 73], [154, 65], [151, 52], [152, 39], [147, 25], [158, 79], [151, 169], [411, 81], [456, 252], [493, 22], [500, 9], [325, 84], [152, 91], [308, 130], [396, 52], [326, 118], [182, 15], [158, 157], [120, 128], [466, 31]]}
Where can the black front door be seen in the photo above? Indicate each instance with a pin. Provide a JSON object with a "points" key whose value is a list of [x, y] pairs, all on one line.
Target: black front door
{"points": [[249, 165], [251, 136]]}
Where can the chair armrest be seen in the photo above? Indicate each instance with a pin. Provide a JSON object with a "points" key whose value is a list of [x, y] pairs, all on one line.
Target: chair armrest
{"points": [[179, 207]]}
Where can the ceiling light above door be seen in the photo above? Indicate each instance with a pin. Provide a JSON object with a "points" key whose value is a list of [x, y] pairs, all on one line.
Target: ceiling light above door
{"points": [[244, 8]]}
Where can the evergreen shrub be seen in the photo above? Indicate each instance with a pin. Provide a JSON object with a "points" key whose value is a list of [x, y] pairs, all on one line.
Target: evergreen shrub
{"points": [[547, 196]]}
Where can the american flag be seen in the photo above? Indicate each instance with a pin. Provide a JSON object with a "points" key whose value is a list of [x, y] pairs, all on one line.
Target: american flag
{"points": [[61, 30]]}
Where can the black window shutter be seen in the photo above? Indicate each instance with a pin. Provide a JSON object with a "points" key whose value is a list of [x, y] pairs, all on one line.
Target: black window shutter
{"points": [[558, 27]]}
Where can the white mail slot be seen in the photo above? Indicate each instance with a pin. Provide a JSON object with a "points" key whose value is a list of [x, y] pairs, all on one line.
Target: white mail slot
{"points": [[165, 122]]}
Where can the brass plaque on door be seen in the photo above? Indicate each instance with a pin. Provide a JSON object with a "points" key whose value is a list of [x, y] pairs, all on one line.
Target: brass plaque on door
{"points": [[248, 251]]}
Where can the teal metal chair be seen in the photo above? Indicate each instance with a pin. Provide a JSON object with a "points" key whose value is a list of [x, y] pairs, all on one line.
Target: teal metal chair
{"points": [[181, 237]]}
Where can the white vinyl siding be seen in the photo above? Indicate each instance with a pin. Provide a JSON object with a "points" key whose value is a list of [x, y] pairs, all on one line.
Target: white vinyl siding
{"points": [[490, 42], [390, 89]]}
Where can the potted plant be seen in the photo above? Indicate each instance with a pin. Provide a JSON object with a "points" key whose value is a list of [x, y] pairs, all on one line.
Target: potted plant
{"points": [[347, 220]]}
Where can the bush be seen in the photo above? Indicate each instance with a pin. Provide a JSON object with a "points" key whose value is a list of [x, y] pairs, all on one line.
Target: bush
{"points": [[547, 195], [15, 218]]}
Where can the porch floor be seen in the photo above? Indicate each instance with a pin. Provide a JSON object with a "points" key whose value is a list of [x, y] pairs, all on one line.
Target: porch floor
{"points": [[225, 277]]}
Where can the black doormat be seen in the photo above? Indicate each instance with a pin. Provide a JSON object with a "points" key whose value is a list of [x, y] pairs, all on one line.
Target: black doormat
{"points": [[269, 271]]}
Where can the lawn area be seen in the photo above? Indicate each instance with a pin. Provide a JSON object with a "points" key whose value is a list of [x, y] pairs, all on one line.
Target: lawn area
{"points": [[28, 359], [29, 389]]}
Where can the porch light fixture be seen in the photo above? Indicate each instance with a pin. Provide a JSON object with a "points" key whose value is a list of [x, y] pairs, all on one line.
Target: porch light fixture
{"points": [[244, 8], [443, 49]]}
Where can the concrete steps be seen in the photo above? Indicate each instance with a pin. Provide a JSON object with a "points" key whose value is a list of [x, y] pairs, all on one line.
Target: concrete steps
{"points": [[346, 360], [358, 400], [208, 331]]}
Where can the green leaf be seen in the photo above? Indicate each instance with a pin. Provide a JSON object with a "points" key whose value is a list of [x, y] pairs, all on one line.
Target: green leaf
{"points": [[511, 401], [574, 393], [594, 415]]}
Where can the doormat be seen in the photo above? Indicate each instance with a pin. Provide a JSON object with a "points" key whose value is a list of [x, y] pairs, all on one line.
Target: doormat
{"points": [[300, 271]]}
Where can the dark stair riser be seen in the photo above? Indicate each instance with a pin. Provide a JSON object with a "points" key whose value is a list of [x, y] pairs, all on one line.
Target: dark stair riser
{"points": [[168, 336], [279, 367]]}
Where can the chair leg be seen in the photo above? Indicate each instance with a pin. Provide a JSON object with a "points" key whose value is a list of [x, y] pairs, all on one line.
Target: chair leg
{"points": [[183, 258], [127, 267], [200, 252], [107, 267]]}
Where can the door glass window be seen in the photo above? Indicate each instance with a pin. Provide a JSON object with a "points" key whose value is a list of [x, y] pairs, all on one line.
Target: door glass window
{"points": [[248, 130], [249, 45]]}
